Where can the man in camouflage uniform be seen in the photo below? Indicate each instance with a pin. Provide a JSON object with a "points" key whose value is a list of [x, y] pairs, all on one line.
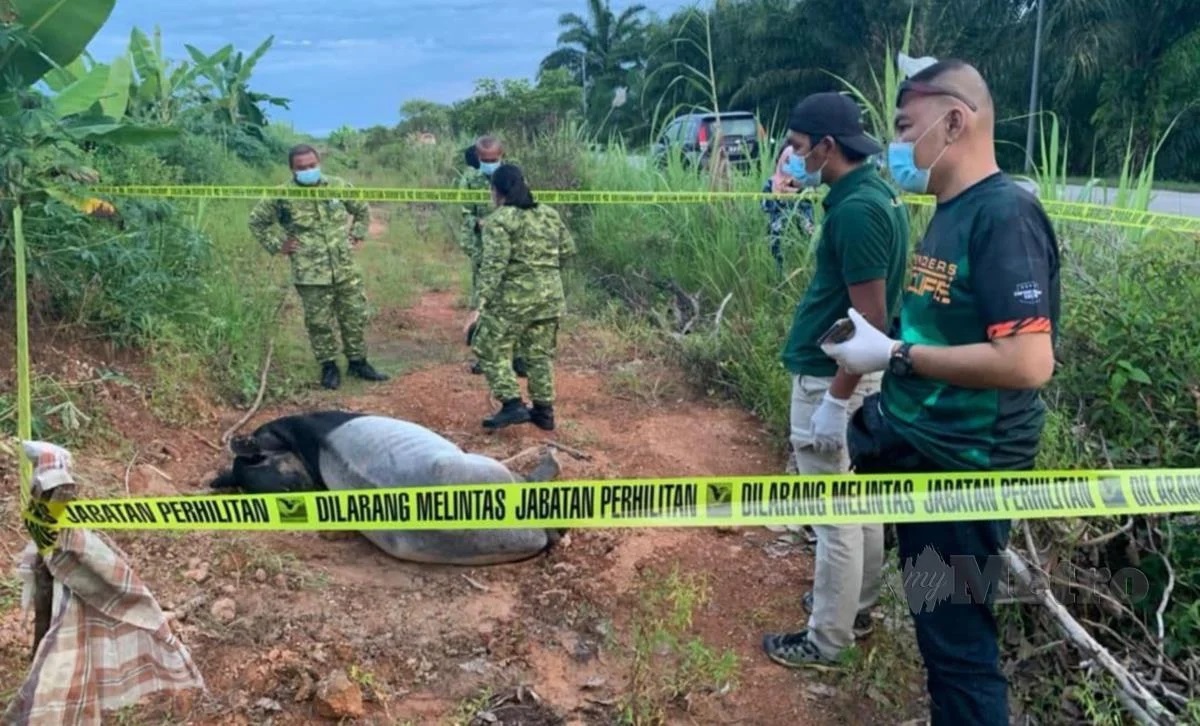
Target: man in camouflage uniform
{"points": [[482, 159], [519, 302], [327, 278]]}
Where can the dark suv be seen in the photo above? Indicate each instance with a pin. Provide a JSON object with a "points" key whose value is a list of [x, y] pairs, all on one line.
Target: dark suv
{"points": [[693, 135]]}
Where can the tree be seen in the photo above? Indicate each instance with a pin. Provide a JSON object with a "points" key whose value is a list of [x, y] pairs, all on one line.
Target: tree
{"points": [[517, 106], [420, 116], [600, 52]]}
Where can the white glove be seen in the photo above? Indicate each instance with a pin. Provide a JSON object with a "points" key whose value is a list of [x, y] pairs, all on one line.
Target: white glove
{"points": [[867, 350], [829, 424]]}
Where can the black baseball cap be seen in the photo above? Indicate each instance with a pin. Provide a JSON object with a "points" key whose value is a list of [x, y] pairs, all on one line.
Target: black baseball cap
{"points": [[833, 114]]}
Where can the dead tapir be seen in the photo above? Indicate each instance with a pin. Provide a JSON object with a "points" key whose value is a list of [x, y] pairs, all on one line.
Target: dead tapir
{"points": [[345, 450]]}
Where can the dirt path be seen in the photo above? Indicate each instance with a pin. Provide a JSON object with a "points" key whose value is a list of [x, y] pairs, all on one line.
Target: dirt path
{"points": [[268, 617]]}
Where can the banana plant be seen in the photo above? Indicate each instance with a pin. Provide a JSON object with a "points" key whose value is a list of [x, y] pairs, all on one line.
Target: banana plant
{"points": [[59, 31], [44, 42], [235, 103], [160, 85], [96, 89]]}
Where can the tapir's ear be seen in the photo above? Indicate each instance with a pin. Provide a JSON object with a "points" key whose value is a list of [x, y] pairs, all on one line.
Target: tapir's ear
{"points": [[245, 446]]}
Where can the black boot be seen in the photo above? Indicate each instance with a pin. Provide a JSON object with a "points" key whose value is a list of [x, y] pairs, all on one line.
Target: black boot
{"points": [[362, 369], [513, 412], [519, 368], [331, 378], [542, 416]]}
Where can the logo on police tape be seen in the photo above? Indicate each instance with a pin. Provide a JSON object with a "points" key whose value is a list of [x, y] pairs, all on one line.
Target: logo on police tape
{"points": [[720, 500], [292, 510], [1111, 492]]}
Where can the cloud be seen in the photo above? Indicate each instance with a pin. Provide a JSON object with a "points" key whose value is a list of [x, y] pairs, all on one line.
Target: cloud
{"points": [[359, 61]]}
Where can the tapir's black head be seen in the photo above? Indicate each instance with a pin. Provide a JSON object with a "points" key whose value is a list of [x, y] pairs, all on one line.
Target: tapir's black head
{"points": [[266, 474], [281, 455]]}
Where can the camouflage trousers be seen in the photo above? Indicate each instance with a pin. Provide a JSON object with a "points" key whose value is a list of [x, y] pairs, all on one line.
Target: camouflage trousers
{"points": [[343, 303], [518, 351], [497, 338]]}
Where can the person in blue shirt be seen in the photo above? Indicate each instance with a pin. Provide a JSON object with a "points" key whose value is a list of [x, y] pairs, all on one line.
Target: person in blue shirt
{"points": [[782, 213]]}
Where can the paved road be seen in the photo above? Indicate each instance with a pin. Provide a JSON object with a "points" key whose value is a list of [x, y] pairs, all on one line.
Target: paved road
{"points": [[1167, 202]]}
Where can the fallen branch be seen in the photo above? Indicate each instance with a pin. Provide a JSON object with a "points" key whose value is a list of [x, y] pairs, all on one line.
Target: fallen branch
{"points": [[476, 584], [262, 378], [129, 469], [1136, 699], [262, 388], [720, 314], [508, 463], [1104, 538], [574, 453], [1166, 598], [205, 441]]}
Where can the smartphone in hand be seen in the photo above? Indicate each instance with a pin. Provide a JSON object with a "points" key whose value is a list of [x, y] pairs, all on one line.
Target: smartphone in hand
{"points": [[839, 332]]}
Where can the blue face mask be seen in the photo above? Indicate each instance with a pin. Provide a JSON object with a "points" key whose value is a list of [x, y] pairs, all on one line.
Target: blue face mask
{"points": [[308, 177], [796, 169], [487, 167], [902, 164]]}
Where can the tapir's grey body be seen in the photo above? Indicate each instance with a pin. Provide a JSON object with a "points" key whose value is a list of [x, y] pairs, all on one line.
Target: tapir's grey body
{"points": [[374, 451], [358, 451]]}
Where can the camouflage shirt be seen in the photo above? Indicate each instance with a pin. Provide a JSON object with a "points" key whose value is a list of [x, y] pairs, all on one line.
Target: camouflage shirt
{"points": [[522, 257], [469, 239], [323, 255]]}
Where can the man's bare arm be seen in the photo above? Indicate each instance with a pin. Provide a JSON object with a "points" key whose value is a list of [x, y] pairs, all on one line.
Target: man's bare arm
{"points": [[870, 299], [1021, 361]]}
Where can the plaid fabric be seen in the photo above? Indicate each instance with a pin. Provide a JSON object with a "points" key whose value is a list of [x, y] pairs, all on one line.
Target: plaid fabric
{"points": [[51, 465], [109, 644]]}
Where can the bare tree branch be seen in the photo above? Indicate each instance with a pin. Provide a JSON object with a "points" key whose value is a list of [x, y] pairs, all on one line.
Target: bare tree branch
{"points": [[1134, 696]]}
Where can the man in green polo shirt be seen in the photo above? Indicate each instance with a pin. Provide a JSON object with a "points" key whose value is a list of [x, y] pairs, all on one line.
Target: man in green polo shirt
{"points": [[860, 260]]}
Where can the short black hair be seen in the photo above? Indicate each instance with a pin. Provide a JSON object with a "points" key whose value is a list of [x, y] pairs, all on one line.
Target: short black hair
{"points": [[300, 150], [471, 156]]}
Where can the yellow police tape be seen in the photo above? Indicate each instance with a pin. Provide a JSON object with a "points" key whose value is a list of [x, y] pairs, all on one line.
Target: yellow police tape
{"points": [[1057, 210], [731, 501]]}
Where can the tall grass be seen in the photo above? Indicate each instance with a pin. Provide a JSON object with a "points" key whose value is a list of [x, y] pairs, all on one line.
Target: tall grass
{"points": [[706, 249]]}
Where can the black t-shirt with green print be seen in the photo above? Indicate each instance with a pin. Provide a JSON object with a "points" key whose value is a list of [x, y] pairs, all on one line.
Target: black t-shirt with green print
{"points": [[987, 267]]}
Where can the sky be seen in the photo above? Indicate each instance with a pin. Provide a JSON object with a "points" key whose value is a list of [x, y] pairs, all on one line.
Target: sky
{"points": [[355, 61]]}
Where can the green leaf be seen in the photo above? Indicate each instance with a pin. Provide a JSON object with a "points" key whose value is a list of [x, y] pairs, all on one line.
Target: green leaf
{"points": [[1135, 374], [60, 78], [82, 94], [115, 100], [149, 66], [1117, 383], [62, 29], [122, 134]]}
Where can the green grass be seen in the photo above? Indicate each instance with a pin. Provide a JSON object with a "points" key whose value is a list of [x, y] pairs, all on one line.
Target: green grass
{"points": [[668, 662]]}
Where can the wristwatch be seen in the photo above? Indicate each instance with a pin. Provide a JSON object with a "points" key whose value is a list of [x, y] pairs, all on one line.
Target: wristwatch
{"points": [[900, 363]]}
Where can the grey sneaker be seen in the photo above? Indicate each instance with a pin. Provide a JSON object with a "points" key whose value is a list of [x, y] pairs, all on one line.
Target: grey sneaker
{"points": [[864, 625], [795, 650]]}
